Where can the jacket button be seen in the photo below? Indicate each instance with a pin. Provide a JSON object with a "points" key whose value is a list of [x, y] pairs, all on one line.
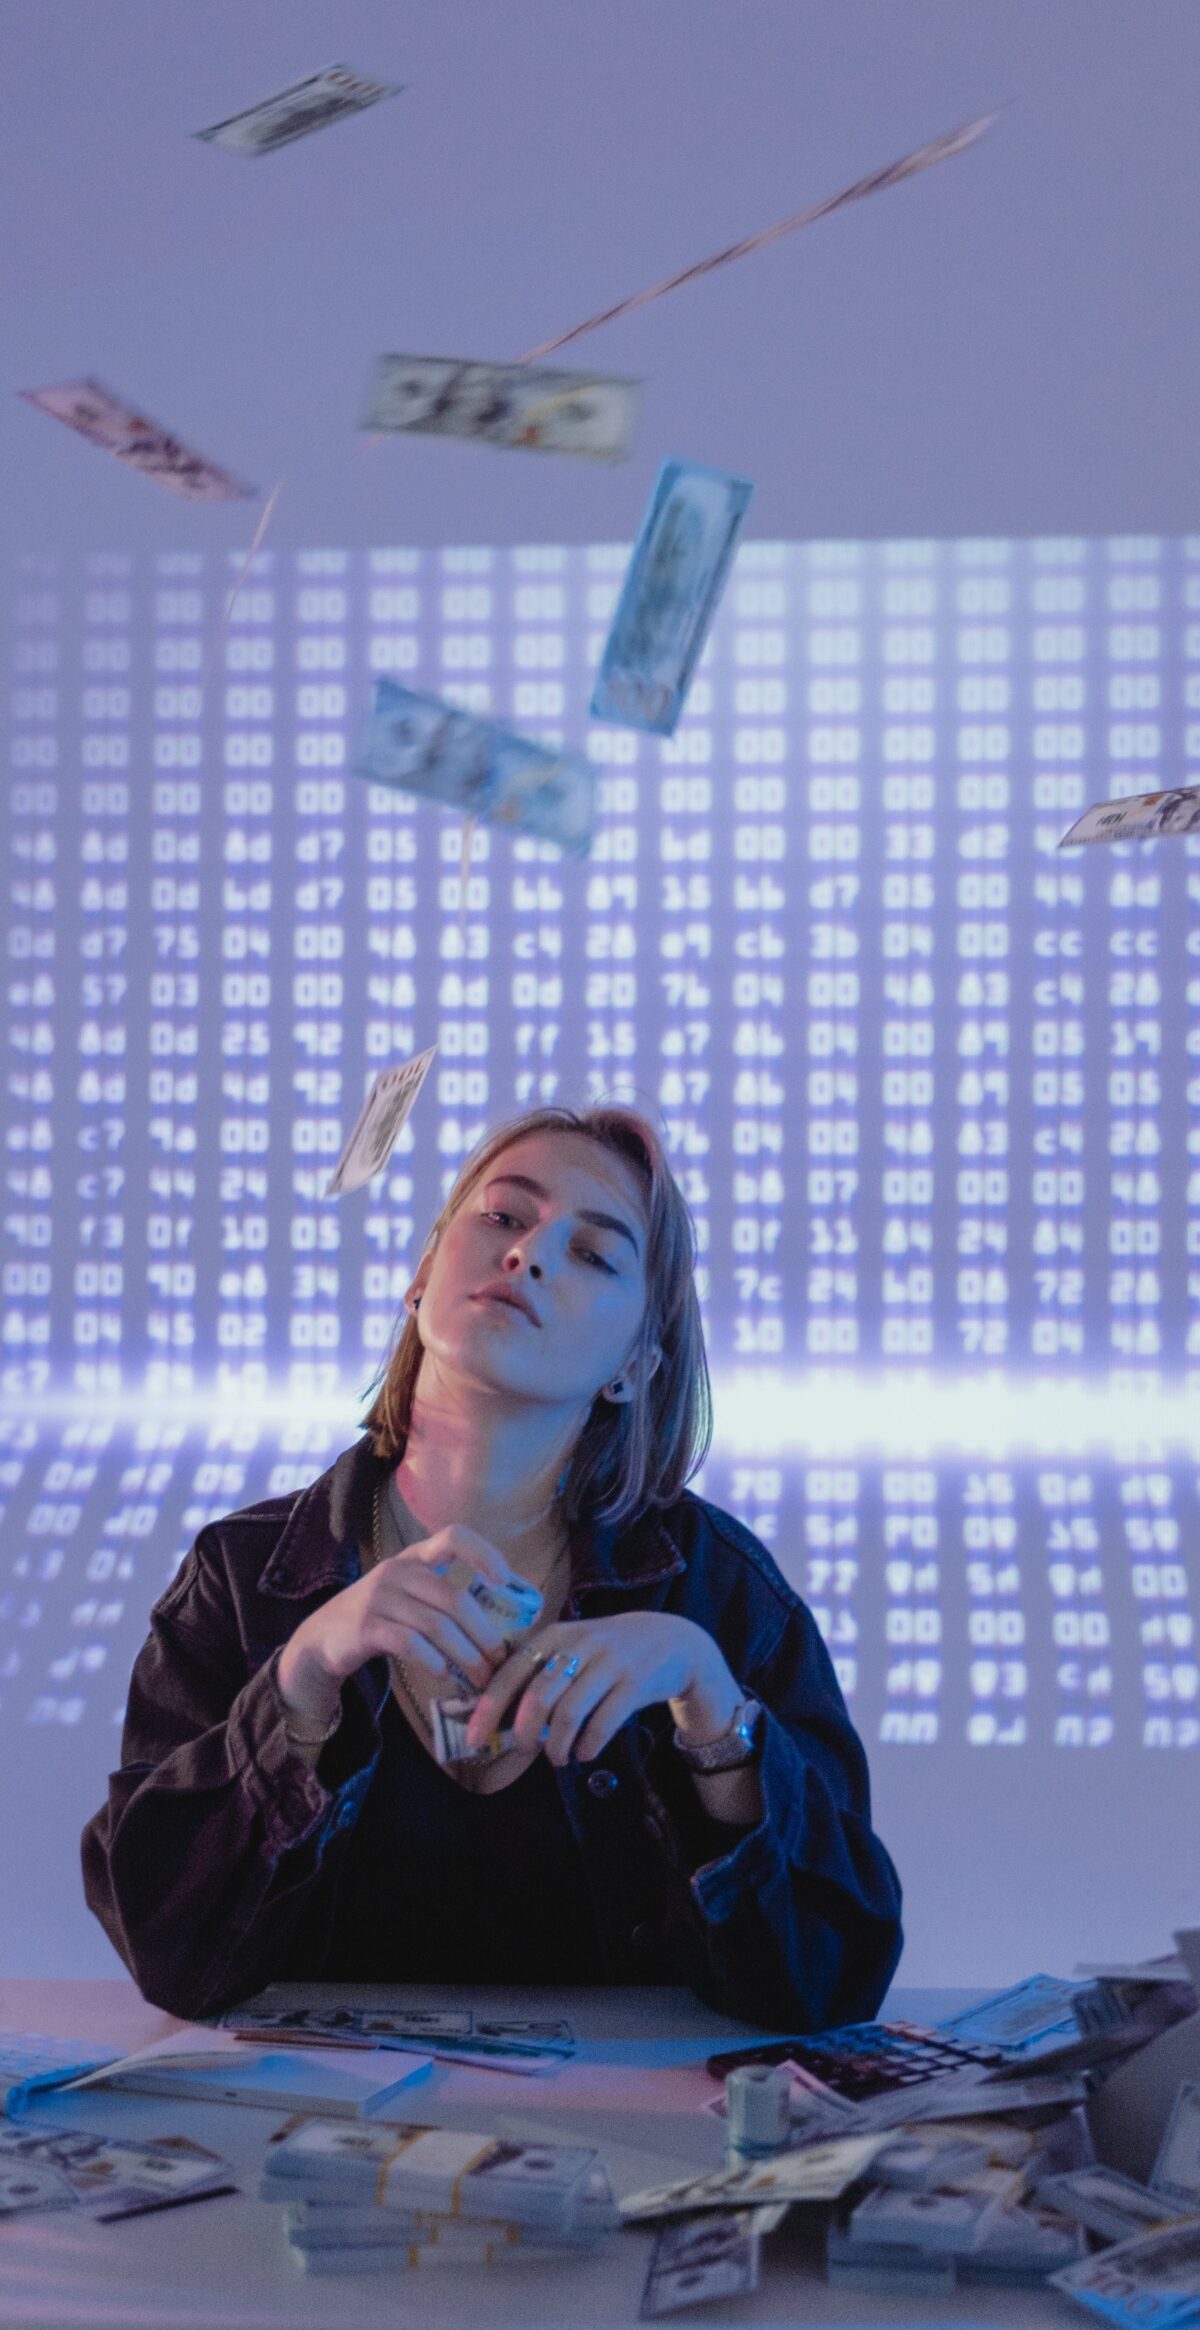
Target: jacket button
{"points": [[643, 1937], [602, 1783]]}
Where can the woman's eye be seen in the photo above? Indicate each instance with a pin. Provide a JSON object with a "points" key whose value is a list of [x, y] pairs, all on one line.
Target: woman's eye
{"points": [[495, 1213], [590, 1255]]}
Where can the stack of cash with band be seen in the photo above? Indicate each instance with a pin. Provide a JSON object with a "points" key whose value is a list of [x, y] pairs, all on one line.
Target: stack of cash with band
{"points": [[361, 2198]]}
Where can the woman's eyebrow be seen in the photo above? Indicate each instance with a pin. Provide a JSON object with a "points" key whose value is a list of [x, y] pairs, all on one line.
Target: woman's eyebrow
{"points": [[598, 1221]]}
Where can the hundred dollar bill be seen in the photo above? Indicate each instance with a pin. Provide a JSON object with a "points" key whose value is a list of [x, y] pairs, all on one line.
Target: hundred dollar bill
{"points": [[1140, 818], [298, 110], [94, 412], [699, 2258], [1106, 2202], [820, 2173], [542, 410], [939, 2224], [35, 2185], [114, 2176], [514, 1605], [1036, 2013], [380, 1121], [420, 744], [676, 575], [1176, 2172], [449, 1718], [1148, 2284]]}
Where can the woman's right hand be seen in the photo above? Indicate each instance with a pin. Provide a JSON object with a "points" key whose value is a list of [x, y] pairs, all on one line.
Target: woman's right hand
{"points": [[415, 1605]]}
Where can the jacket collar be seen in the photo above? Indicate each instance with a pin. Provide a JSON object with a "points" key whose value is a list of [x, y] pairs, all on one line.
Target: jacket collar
{"points": [[320, 1541]]}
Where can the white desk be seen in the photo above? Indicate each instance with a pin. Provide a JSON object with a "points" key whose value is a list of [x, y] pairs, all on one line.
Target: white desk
{"points": [[636, 2087]]}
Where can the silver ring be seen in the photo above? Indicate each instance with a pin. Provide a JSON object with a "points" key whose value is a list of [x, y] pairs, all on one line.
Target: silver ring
{"points": [[537, 1658], [571, 1668]]}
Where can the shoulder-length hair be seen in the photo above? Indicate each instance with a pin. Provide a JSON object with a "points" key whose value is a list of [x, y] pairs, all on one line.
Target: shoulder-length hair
{"points": [[632, 1454]]}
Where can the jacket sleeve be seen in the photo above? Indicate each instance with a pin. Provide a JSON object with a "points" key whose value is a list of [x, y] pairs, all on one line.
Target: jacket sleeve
{"points": [[216, 1831], [794, 1923]]}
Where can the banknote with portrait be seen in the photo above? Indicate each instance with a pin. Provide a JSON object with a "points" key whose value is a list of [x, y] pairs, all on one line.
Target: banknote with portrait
{"points": [[533, 409], [421, 744]]}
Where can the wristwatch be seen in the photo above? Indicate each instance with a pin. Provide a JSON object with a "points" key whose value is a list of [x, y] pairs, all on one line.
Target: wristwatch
{"points": [[735, 1746]]}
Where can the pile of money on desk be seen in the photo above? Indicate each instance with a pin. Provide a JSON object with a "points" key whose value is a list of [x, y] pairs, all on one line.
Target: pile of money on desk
{"points": [[921, 2161]]}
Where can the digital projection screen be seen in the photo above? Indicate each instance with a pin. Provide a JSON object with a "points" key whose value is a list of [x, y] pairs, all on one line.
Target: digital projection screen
{"points": [[931, 1088]]}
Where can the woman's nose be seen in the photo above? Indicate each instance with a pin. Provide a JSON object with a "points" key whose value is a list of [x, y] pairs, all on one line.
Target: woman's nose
{"points": [[516, 1260]]}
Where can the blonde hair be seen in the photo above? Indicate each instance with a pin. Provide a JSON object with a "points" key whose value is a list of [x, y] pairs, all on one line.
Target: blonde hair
{"points": [[632, 1454]]}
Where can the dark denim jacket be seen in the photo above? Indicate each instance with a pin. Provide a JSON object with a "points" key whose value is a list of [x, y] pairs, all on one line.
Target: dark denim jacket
{"points": [[212, 1865]]}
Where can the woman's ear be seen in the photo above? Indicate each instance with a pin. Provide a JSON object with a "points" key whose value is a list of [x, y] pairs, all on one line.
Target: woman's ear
{"points": [[628, 1381]]}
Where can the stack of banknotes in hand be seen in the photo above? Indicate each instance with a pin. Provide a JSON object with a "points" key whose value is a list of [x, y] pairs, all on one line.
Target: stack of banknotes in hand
{"points": [[362, 2198]]}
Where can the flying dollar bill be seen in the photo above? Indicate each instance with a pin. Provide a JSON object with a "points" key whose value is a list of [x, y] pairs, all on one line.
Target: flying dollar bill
{"points": [[94, 412], [589, 414], [383, 1113], [1140, 818], [676, 575], [298, 110], [420, 744]]}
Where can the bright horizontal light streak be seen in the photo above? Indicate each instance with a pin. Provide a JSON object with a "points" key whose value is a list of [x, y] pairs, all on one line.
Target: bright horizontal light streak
{"points": [[759, 1412]]}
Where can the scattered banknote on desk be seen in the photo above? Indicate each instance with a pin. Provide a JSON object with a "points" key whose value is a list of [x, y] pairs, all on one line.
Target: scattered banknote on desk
{"points": [[821, 2172], [35, 2185], [1147, 2284], [295, 112], [457, 2034], [697, 2259], [112, 2177], [94, 412], [1035, 2014], [536, 409], [421, 744], [676, 576], [1141, 817], [381, 1119]]}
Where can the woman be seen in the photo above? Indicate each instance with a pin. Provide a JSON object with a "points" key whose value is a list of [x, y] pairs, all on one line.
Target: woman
{"points": [[678, 1794]]}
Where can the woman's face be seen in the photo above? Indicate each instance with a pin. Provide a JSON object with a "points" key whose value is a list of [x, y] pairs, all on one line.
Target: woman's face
{"points": [[537, 1285]]}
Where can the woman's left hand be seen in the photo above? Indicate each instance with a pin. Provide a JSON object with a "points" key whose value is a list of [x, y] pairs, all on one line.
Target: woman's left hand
{"points": [[592, 1674]]}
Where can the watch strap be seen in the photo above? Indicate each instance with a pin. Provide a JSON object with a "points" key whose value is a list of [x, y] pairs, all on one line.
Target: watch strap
{"points": [[735, 1746]]}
